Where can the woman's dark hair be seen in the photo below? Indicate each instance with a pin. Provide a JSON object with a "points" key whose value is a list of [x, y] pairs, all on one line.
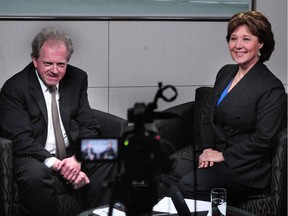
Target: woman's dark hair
{"points": [[49, 34], [259, 26]]}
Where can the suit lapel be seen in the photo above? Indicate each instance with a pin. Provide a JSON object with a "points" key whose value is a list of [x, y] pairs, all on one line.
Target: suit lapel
{"points": [[37, 94], [64, 97], [65, 92]]}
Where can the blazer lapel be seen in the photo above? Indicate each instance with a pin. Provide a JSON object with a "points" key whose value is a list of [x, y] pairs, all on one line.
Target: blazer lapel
{"points": [[218, 91], [244, 83]]}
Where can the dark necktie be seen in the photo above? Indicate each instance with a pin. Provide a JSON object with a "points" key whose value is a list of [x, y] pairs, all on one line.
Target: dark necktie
{"points": [[60, 146]]}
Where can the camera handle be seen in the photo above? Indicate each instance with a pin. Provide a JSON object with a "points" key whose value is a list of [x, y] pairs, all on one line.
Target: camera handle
{"points": [[160, 94]]}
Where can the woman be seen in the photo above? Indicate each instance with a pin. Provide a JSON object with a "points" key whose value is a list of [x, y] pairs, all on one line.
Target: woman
{"points": [[245, 113]]}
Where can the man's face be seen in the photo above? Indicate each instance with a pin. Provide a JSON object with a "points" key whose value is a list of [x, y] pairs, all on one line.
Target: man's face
{"points": [[52, 62]]}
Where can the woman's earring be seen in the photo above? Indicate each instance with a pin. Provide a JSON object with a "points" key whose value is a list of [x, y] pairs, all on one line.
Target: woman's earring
{"points": [[259, 54]]}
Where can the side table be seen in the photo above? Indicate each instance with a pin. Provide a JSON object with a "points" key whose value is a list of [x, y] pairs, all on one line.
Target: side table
{"points": [[231, 211]]}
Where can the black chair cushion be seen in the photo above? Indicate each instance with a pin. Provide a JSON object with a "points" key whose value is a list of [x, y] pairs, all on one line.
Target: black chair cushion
{"points": [[202, 95]]}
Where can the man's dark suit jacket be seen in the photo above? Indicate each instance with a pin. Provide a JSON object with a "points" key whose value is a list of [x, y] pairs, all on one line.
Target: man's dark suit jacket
{"points": [[23, 112], [245, 124]]}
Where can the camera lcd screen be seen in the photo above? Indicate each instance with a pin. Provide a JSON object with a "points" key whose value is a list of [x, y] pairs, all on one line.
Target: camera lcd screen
{"points": [[99, 149]]}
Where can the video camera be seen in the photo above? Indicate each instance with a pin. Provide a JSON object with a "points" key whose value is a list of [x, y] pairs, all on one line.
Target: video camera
{"points": [[139, 155]]}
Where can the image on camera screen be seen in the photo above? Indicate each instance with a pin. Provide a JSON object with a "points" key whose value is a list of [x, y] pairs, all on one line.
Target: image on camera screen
{"points": [[99, 149]]}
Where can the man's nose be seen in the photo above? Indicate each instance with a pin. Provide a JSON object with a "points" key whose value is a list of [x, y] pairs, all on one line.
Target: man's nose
{"points": [[54, 68]]}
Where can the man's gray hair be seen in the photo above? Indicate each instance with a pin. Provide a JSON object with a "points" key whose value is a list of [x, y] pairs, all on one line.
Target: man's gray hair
{"points": [[50, 34]]}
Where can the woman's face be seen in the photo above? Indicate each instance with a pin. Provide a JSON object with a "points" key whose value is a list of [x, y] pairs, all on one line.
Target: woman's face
{"points": [[244, 47]]}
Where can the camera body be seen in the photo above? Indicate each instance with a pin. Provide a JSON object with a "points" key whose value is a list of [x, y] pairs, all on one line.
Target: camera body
{"points": [[139, 155]]}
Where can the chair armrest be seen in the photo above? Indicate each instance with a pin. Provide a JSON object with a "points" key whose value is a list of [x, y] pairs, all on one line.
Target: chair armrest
{"points": [[6, 177], [178, 130], [279, 179], [110, 125]]}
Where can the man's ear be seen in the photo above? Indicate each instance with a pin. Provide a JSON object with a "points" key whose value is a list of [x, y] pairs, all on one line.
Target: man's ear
{"points": [[34, 60]]}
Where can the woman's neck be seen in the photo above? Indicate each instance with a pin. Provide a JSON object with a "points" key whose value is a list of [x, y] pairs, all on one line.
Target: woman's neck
{"points": [[244, 68], [239, 75]]}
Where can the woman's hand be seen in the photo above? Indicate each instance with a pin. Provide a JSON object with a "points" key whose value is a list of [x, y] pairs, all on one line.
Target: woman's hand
{"points": [[209, 157]]}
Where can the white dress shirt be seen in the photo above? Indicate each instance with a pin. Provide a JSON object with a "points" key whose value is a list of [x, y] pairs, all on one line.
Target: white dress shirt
{"points": [[50, 144]]}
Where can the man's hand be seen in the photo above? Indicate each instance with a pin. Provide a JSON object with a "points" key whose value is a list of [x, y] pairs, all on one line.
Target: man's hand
{"points": [[209, 157], [57, 166], [80, 181], [70, 168]]}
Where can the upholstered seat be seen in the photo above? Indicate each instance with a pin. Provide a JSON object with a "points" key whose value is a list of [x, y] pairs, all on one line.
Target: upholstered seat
{"points": [[183, 132], [10, 203]]}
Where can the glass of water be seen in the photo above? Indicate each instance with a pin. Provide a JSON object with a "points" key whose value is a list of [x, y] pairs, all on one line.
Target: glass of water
{"points": [[218, 201]]}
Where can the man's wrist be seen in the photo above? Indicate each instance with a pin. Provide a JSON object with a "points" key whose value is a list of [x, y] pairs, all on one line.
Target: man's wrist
{"points": [[50, 161]]}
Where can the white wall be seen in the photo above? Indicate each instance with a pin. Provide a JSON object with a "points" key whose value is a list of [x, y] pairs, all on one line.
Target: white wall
{"points": [[126, 59]]}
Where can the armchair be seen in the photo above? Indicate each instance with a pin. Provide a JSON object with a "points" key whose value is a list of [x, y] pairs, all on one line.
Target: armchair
{"points": [[10, 204], [183, 132]]}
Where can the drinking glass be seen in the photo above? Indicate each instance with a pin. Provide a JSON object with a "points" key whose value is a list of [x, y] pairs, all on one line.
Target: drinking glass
{"points": [[218, 201]]}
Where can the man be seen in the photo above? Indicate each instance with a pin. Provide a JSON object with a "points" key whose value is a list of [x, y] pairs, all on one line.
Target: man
{"points": [[88, 153], [109, 152], [28, 120]]}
